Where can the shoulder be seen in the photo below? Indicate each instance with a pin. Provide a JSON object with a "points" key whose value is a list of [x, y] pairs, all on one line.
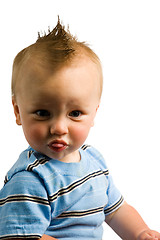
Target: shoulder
{"points": [[19, 166], [91, 150], [22, 186], [22, 179], [95, 155], [28, 164]]}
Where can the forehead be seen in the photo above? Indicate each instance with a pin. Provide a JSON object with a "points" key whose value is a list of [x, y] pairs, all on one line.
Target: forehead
{"points": [[82, 73]]}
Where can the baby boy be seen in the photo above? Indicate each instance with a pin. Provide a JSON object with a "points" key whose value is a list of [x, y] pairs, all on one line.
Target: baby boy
{"points": [[59, 187]]}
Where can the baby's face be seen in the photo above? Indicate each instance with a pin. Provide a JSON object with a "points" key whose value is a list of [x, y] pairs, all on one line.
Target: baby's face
{"points": [[57, 110]]}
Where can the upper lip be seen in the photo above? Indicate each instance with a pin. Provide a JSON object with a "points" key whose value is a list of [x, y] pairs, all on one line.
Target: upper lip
{"points": [[58, 141]]}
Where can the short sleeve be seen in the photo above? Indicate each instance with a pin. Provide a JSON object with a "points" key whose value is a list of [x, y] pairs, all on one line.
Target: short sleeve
{"points": [[114, 196], [24, 207]]}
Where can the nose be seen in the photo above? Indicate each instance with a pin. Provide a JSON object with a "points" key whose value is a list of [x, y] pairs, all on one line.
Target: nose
{"points": [[59, 127]]}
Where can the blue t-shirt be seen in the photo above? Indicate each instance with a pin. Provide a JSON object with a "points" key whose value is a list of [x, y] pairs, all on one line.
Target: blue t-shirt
{"points": [[64, 200]]}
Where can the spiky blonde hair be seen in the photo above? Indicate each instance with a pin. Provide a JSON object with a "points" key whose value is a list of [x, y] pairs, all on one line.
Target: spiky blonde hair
{"points": [[54, 50]]}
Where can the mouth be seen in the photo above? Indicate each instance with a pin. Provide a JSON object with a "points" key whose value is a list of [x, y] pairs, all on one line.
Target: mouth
{"points": [[58, 145]]}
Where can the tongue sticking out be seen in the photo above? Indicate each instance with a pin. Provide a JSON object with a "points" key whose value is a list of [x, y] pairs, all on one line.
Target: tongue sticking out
{"points": [[58, 145]]}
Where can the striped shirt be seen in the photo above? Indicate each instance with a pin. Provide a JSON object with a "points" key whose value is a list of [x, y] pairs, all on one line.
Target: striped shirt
{"points": [[64, 200]]}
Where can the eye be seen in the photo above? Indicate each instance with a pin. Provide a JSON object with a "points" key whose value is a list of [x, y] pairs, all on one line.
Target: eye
{"points": [[42, 113], [75, 114]]}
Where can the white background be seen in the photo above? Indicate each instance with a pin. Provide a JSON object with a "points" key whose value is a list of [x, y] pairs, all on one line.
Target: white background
{"points": [[126, 36]]}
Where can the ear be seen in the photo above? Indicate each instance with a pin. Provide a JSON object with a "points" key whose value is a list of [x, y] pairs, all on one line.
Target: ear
{"points": [[97, 108], [95, 115], [16, 111]]}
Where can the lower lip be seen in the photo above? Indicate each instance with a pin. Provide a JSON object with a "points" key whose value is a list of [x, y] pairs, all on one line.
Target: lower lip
{"points": [[57, 147]]}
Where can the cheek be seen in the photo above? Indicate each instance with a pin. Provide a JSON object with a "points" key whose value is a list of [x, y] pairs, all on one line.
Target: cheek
{"points": [[34, 133], [79, 134]]}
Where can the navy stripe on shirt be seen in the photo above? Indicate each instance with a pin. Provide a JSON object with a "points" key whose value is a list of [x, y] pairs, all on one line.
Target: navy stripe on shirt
{"points": [[75, 214], [115, 206], [24, 198], [20, 236], [76, 184]]}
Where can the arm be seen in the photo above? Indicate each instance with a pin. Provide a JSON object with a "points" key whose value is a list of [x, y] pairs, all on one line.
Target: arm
{"points": [[46, 237], [129, 225]]}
